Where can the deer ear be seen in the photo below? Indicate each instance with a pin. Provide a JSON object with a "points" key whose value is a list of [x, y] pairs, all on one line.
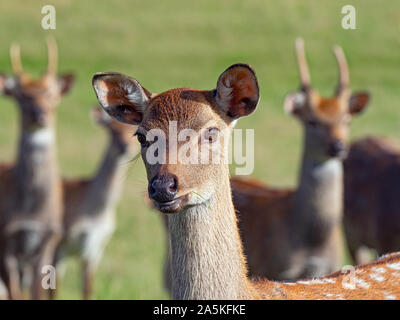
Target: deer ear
{"points": [[237, 91], [66, 83], [295, 103], [7, 84], [122, 97], [358, 102]]}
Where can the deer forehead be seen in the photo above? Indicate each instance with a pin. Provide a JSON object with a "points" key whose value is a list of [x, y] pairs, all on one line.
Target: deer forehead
{"points": [[40, 87], [328, 109], [190, 108], [42, 82]]}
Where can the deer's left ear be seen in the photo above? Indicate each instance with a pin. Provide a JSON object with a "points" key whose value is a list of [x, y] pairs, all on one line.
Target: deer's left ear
{"points": [[237, 91], [358, 102], [66, 83]]}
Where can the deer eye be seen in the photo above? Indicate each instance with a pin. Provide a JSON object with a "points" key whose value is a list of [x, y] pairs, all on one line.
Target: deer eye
{"points": [[142, 140], [211, 135]]}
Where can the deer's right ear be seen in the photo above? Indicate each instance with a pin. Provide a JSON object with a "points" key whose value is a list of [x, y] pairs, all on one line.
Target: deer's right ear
{"points": [[295, 103], [7, 84], [237, 91], [122, 97]]}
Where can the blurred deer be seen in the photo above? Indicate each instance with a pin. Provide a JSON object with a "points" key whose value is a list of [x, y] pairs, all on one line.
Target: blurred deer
{"points": [[90, 204], [291, 234], [30, 189], [372, 203]]}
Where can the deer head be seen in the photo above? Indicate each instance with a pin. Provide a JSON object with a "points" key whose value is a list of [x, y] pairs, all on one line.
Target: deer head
{"points": [[120, 133], [173, 185], [326, 120], [37, 98]]}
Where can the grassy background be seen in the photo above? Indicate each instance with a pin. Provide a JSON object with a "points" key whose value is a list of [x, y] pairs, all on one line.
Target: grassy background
{"points": [[174, 43]]}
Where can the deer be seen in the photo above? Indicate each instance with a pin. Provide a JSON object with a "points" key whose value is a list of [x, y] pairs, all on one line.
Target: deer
{"points": [[207, 258], [90, 204], [31, 202], [305, 222], [371, 207]]}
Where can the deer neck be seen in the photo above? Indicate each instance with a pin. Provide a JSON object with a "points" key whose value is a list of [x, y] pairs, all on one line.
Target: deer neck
{"points": [[106, 186], [318, 201], [36, 168], [207, 260]]}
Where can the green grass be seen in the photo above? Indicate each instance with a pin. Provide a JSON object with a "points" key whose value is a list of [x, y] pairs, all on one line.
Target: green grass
{"points": [[167, 44]]}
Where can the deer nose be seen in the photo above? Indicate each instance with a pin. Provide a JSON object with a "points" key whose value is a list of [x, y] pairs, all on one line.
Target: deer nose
{"points": [[38, 116], [163, 188], [337, 148]]}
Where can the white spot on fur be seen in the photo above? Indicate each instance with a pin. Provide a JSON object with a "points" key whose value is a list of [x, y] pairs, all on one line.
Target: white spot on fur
{"points": [[355, 282], [377, 277], [304, 282], [361, 283], [329, 280], [394, 266], [389, 296], [379, 270], [348, 285]]}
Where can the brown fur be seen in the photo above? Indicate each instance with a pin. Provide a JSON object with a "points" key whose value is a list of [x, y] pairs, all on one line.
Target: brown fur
{"points": [[359, 284], [372, 181]]}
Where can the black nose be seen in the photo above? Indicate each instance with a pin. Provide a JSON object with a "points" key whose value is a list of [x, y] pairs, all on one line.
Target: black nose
{"points": [[38, 116], [163, 187], [122, 146], [336, 148]]}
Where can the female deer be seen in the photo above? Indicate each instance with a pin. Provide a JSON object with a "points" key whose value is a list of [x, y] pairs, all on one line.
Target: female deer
{"points": [[207, 257]]}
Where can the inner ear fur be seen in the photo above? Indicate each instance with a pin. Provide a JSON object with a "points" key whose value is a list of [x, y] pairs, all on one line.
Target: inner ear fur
{"points": [[122, 97], [358, 102], [294, 103], [66, 82], [237, 91]]}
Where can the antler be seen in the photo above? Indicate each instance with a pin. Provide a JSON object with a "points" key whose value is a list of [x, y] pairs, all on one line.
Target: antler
{"points": [[344, 78], [52, 56], [302, 62], [15, 55]]}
